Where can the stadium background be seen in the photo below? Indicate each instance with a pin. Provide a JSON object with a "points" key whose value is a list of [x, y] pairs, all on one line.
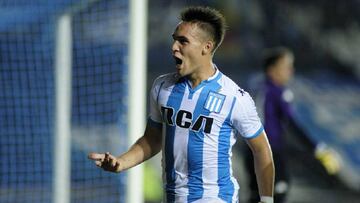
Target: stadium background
{"points": [[324, 35]]}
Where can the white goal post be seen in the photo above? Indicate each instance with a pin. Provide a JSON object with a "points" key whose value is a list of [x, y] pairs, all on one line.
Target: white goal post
{"points": [[136, 101], [62, 134], [137, 90]]}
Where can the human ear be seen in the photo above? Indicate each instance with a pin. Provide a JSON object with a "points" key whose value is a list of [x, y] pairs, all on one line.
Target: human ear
{"points": [[209, 46]]}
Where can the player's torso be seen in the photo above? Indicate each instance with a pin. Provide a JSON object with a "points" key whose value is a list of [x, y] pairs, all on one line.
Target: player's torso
{"points": [[198, 137]]}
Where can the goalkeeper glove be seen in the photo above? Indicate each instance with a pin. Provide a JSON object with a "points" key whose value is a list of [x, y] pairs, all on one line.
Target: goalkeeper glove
{"points": [[328, 158]]}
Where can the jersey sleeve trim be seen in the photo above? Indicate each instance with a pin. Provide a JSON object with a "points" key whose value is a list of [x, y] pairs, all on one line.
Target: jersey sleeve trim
{"points": [[257, 133], [154, 124]]}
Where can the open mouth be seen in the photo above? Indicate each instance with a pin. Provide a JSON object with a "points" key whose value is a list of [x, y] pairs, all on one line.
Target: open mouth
{"points": [[178, 61]]}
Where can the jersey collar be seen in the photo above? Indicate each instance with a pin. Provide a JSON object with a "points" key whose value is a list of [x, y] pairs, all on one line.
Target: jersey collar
{"points": [[213, 78]]}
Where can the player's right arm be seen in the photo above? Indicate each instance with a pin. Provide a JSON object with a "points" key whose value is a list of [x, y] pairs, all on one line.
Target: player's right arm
{"points": [[144, 148]]}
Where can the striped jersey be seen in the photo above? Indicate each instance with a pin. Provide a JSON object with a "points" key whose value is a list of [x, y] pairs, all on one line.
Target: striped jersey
{"points": [[200, 125]]}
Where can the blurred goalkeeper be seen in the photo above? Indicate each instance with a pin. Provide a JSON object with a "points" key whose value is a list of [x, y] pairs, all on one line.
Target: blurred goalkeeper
{"points": [[274, 101]]}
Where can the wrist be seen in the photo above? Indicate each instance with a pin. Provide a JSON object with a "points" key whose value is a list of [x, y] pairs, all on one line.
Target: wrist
{"points": [[120, 165], [266, 199]]}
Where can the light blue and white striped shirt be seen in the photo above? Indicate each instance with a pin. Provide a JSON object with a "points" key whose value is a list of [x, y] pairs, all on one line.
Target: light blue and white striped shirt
{"points": [[200, 126]]}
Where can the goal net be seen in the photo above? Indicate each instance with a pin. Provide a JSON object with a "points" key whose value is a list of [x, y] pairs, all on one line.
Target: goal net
{"points": [[98, 91]]}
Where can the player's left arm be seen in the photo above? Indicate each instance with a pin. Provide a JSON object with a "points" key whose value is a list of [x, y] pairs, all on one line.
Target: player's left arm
{"points": [[264, 165], [247, 122]]}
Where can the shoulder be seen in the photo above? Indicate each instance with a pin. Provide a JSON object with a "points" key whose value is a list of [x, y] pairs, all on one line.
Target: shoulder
{"points": [[273, 90], [228, 84], [166, 79], [232, 88]]}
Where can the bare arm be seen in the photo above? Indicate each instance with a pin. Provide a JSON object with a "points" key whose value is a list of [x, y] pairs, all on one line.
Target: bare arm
{"points": [[143, 149], [263, 162]]}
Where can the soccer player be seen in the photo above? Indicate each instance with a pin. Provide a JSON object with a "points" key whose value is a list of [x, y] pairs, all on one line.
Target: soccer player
{"points": [[196, 115], [278, 115]]}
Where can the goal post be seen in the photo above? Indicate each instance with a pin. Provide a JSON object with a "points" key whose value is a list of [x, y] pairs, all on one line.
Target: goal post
{"points": [[62, 128], [137, 90], [73, 81], [136, 100]]}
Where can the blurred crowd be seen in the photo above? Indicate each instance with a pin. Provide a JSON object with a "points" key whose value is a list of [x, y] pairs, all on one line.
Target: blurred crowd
{"points": [[322, 34]]}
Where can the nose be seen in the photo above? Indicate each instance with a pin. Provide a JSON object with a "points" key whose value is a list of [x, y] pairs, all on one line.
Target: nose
{"points": [[175, 46]]}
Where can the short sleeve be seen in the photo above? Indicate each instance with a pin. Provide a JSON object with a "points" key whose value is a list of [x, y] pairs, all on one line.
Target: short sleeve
{"points": [[245, 119], [155, 114]]}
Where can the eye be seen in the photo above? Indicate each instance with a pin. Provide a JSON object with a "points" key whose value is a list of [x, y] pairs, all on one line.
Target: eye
{"points": [[180, 39], [183, 41]]}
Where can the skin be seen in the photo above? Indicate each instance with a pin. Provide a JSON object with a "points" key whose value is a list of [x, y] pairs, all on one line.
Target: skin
{"points": [[282, 71], [264, 165], [195, 49], [144, 148]]}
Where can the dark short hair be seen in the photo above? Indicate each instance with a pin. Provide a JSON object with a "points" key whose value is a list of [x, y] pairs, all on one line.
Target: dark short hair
{"points": [[209, 20], [272, 55]]}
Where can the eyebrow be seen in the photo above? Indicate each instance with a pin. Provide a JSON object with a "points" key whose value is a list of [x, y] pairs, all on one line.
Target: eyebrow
{"points": [[177, 37]]}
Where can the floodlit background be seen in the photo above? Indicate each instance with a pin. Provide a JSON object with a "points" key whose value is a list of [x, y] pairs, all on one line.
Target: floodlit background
{"points": [[325, 38]]}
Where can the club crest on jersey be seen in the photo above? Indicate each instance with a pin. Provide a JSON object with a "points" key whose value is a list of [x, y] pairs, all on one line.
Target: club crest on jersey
{"points": [[214, 102]]}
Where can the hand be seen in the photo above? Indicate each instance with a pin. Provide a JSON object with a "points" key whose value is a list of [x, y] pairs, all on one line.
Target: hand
{"points": [[329, 158], [106, 161]]}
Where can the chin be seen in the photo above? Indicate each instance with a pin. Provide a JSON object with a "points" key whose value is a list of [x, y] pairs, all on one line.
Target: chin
{"points": [[181, 74]]}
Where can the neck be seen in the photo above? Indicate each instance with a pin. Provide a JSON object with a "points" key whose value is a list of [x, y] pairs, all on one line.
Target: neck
{"points": [[205, 72], [276, 82]]}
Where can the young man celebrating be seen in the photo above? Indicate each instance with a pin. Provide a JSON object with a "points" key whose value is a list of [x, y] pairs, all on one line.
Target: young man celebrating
{"points": [[196, 115]]}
